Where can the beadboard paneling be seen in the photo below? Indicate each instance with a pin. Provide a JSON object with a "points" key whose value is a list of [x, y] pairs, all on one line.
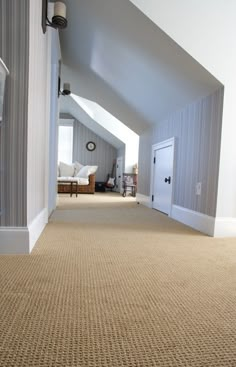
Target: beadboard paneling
{"points": [[197, 129], [38, 114], [103, 156], [144, 160], [14, 50]]}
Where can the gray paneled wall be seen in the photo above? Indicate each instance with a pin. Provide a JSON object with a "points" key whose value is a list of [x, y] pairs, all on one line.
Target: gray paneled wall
{"points": [[103, 156], [53, 138], [144, 161], [197, 129], [14, 50]]}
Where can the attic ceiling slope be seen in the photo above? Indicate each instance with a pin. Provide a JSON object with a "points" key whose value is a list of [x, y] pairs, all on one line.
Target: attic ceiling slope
{"points": [[141, 74], [87, 84], [68, 107]]}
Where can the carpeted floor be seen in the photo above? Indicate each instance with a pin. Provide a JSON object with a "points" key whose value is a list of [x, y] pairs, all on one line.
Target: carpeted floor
{"points": [[118, 285]]}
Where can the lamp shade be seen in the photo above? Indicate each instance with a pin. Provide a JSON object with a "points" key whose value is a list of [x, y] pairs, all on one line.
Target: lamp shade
{"points": [[59, 9], [59, 18]]}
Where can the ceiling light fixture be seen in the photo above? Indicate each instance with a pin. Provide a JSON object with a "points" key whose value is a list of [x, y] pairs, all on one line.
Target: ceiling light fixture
{"points": [[59, 20]]}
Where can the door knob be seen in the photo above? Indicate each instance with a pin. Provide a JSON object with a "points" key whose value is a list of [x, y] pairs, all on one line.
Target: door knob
{"points": [[168, 180]]}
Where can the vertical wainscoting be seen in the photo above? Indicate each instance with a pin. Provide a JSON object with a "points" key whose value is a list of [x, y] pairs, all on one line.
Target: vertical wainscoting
{"points": [[144, 161], [38, 120], [24, 49], [197, 129], [53, 138], [103, 156], [14, 50]]}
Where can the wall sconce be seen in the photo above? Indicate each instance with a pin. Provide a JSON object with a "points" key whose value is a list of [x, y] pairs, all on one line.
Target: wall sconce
{"points": [[66, 88], [59, 17]]}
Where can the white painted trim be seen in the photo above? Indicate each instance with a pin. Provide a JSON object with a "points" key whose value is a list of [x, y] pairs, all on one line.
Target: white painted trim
{"points": [[144, 200], [225, 227], [119, 160], [21, 240], [157, 146], [36, 227], [14, 240], [164, 144], [215, 227], [196, 220]]}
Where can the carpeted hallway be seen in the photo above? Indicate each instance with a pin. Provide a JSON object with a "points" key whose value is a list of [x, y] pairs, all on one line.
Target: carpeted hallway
{"points": [[110, 284]]}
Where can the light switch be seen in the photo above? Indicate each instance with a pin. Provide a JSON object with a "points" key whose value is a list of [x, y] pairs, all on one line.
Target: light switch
{"points": [[198, 188]]}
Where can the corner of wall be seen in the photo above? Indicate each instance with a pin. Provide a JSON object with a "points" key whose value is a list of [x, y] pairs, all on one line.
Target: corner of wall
{"points": [[225, 227], [144, 200]]}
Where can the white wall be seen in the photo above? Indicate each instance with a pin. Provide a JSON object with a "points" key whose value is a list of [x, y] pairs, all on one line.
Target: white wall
{"points": [[38, 119], [54, 116], [131, 154], [206, 30]]}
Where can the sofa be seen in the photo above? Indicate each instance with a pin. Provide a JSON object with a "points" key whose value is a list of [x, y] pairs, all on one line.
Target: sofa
{"points": [[75, 176], [63, 187]]}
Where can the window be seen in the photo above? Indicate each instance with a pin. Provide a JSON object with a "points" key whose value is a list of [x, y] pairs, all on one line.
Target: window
{"points": [[65, 144]]}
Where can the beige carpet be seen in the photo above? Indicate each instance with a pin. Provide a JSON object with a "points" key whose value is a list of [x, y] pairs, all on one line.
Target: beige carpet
{"points": [[122, 285]]}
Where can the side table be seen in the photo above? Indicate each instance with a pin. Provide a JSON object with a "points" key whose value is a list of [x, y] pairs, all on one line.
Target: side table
{"points": [[71, 182]]}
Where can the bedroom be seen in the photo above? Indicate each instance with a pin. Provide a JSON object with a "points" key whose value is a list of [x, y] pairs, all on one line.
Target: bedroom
{"points": [[77, 144]]}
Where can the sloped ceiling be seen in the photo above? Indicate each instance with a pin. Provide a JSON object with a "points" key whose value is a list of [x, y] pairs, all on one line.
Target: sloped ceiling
{"points": [[70, 107], [129, 66]]}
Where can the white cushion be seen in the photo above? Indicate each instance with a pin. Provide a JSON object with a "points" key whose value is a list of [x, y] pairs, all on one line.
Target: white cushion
{"points": [[80, 181], [78, 167], [66, 179], [66, 169], [86, 171]]}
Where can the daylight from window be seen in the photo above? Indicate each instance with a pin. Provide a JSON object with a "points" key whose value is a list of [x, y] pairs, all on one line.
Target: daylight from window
{"points": [[65, 144]]}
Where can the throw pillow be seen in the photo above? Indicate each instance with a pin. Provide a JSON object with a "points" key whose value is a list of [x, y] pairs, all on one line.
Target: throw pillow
{"points": [[66, 170], [78, 167], [86, 171]]}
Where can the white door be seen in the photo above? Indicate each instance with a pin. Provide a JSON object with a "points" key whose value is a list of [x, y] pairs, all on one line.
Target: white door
{"points": [[162, 178], [119, 174]]}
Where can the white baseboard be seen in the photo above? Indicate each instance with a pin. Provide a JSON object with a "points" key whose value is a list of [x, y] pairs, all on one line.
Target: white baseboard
{"points": [[144, 200], [198, 221], [225, 227], [36, 227], [14, 240], [21, 240]]}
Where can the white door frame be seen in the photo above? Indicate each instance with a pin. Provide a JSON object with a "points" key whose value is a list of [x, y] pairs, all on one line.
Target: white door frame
{"points": [[163, 144], [121, 160]]}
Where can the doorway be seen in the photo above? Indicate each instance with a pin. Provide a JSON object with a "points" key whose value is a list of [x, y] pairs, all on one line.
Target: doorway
{"points": [[162, 175], [119, 174]]}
